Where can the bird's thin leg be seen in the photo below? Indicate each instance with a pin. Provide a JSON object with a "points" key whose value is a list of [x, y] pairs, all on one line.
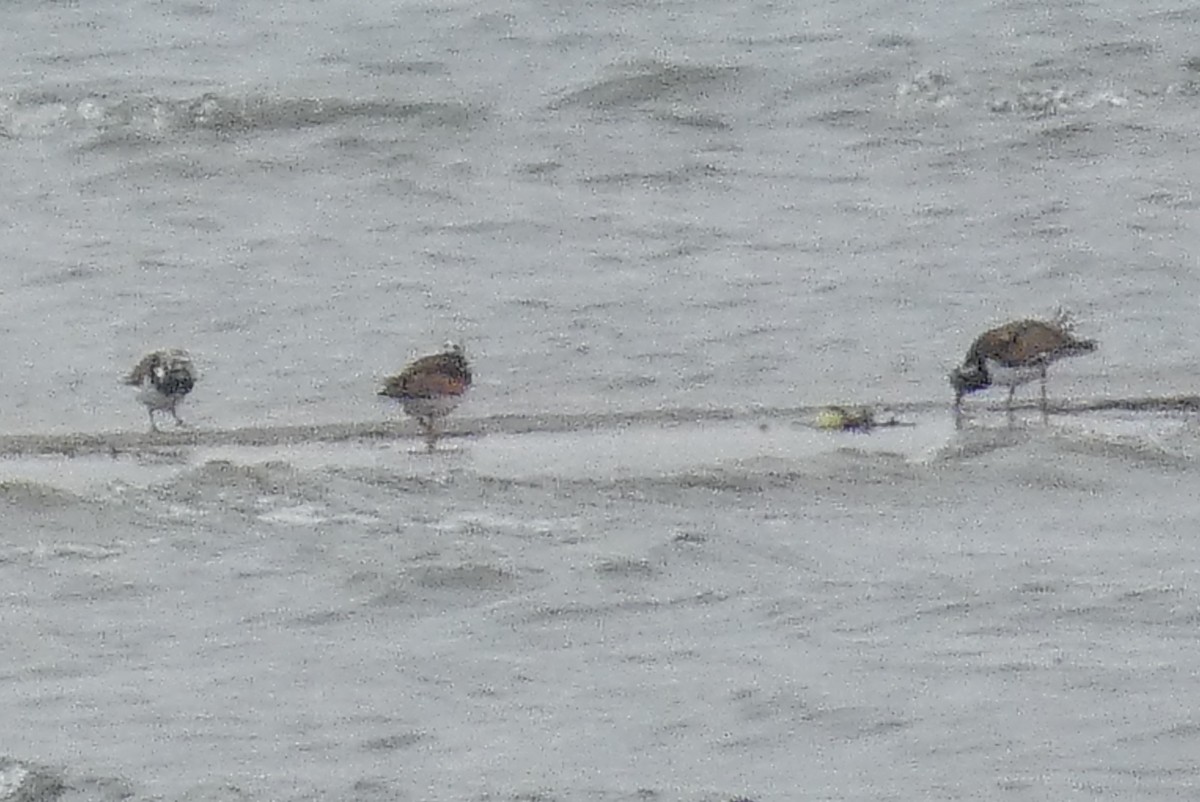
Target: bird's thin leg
{"points": [[1012, 391], [153, 425], [178, 420], [1045, 410], [428, 432]]}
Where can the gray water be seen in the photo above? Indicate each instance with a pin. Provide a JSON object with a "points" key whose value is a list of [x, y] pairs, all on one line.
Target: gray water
{"points": [[666, 234]]}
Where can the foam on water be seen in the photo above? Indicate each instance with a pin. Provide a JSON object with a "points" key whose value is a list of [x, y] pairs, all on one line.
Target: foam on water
{"points": [[11, 779], [599, 455]]}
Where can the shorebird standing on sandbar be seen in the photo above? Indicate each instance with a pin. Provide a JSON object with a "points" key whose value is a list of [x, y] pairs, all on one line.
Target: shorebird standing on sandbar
{"points": [[1015, 354], [163, 377], [430, 388]]}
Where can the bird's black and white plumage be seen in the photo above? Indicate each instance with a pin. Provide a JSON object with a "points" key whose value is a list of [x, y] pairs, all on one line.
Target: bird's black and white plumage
{"points": [[163, 379], [430, 388], [1014, 354]]}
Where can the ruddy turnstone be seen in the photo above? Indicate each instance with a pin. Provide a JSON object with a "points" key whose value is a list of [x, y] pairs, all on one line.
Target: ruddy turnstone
{"points": [[163, 377], [430, 388], [1014, 354]]}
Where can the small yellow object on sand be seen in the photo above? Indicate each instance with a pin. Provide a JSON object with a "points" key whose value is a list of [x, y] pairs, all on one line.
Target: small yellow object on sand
{"points": [[846, 419]]}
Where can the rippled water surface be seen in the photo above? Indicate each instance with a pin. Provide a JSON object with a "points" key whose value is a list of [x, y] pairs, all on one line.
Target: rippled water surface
{"points": [[666, 234]]}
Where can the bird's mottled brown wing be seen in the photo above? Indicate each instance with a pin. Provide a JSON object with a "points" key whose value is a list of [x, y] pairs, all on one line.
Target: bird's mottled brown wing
{"points": [[1022, 342], [423, 385], [430, 377], [142, 369], [451, 363]]}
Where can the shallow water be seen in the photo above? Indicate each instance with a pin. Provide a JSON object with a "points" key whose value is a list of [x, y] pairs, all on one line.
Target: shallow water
{"points": [[667, 235], [675, 611]]}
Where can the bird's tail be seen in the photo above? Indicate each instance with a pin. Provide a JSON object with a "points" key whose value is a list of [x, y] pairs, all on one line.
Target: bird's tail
{"points": [[1065, 322]]}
